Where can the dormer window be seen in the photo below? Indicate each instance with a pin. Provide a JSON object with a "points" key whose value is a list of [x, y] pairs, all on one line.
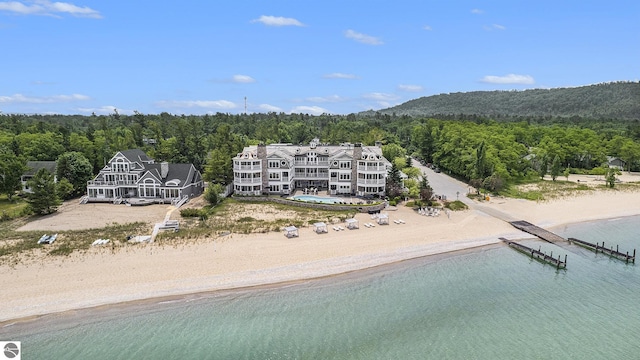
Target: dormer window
{"points": [[173, 182]]}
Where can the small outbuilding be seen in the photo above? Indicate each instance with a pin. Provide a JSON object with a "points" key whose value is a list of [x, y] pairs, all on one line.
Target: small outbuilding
{"points": [[352, 223], [291, 231], [383, 219], [320, 228]]}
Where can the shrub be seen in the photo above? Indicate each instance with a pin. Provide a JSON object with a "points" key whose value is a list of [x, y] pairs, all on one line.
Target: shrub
{"points": [[456, 205], [200, 213]]}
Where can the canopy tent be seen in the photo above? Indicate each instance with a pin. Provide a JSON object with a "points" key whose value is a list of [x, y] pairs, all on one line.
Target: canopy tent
{"points": [[383, 219], [352, 223], [291, 231], [320, 227]]}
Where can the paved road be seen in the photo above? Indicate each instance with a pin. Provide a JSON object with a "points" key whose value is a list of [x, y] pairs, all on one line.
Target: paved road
{"points": [[446, 185], [453, 189]]}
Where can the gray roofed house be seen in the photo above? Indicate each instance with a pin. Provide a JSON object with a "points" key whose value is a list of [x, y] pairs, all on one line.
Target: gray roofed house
{"points": [[32, 169], [131, 174]]}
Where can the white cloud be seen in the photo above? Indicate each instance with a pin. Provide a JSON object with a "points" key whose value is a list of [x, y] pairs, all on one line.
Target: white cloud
{"points": [[105, 110], [269, 108], [339, 76], [313, 110], [477, 11], [427, 27], [410, 88], [362, 38], [325, 99], [19, 98], [277, 21], [380, 96], [509, 79], [205, 104], [495, 27], [46, 7], [243, 79]]}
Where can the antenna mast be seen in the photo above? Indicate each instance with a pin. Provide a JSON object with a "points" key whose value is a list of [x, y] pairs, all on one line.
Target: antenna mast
{"points": [[245, 105]]}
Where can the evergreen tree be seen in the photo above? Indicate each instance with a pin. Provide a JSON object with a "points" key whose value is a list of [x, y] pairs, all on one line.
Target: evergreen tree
{"points": [[556, 167], [44, 198]]}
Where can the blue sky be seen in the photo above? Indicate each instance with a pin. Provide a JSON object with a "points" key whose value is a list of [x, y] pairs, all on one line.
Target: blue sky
{"points": [[304, 56]]}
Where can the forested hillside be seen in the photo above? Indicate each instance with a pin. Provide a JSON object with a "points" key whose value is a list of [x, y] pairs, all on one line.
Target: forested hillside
{"points": [[619, 100], [478, 149]]}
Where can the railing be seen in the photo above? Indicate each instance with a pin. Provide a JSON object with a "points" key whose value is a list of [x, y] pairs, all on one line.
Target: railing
{"points": [[247, 181], [311, 176], [250, 192], [310, 163], [109, 183], [372, 168], [371, 181], [247, 167]]}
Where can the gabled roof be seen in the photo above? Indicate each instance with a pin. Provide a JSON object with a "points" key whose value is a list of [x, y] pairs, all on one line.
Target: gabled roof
{"points": [[34, 166], [185, 174], [136, 155]]}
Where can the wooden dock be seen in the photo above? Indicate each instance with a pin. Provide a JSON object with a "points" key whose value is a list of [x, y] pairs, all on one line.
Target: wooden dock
{"points": [[541, 233], [613, 253], [537, 254]]}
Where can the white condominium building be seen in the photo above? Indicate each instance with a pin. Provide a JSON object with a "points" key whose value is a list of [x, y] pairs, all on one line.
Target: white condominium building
{"points": [[339, 169]]}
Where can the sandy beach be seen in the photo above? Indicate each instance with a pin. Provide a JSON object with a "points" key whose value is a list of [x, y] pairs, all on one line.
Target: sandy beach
{"points": [[100, 277]]}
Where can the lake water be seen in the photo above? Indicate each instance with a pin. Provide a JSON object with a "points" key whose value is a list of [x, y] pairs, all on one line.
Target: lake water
{"points": [[493, 303]]}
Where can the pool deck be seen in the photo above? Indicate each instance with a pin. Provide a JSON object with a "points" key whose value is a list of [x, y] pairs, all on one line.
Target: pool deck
{"points": [[351, 200]]}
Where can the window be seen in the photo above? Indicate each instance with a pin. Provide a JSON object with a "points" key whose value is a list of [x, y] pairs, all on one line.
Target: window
{"points": [[274, 176], [345, 164], [274, 164], [345, 176]]}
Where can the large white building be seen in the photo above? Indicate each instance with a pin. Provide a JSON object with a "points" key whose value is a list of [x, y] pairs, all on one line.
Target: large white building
{"points": [[339, 169]]}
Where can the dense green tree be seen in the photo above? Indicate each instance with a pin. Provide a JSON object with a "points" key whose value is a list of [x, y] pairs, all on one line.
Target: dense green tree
{"points": [[556, 168], [218, 168], [11, 169], [43, 199], [393, 151], [77, 169]]}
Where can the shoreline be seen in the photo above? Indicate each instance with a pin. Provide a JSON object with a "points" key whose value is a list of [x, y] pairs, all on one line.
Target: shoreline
{"points": [[147, 302], [244, 262]]}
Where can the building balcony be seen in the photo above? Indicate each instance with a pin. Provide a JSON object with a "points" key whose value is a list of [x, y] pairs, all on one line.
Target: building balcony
{"points": [[110, 183], [247, 181], [372, 169], [247, 167], [311, 163], [371, 181], [311, 176]]}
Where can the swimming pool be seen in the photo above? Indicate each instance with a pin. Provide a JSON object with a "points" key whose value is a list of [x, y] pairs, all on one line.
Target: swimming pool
{"points": [[317, 199]]}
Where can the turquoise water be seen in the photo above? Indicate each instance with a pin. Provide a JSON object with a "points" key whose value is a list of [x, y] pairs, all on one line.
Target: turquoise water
{"points": [[319, 199], [493, 303]]}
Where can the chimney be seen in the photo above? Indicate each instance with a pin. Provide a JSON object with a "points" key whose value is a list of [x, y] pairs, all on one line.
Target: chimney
{"points": [[164, 169]]}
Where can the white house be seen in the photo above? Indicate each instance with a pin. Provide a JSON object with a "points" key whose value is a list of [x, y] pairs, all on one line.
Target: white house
{"points": [[32, 169], [339, 169], [131, 174]]}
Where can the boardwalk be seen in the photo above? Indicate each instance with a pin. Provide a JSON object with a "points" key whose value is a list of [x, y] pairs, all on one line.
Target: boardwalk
{"points": [[537, 231]]}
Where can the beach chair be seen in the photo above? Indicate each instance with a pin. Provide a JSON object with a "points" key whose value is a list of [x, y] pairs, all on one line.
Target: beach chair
{"points": [[401, 221]]}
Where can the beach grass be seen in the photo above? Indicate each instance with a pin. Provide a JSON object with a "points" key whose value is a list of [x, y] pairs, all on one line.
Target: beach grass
{"points": [[246, 217], [17, 246], [12, 209]]}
